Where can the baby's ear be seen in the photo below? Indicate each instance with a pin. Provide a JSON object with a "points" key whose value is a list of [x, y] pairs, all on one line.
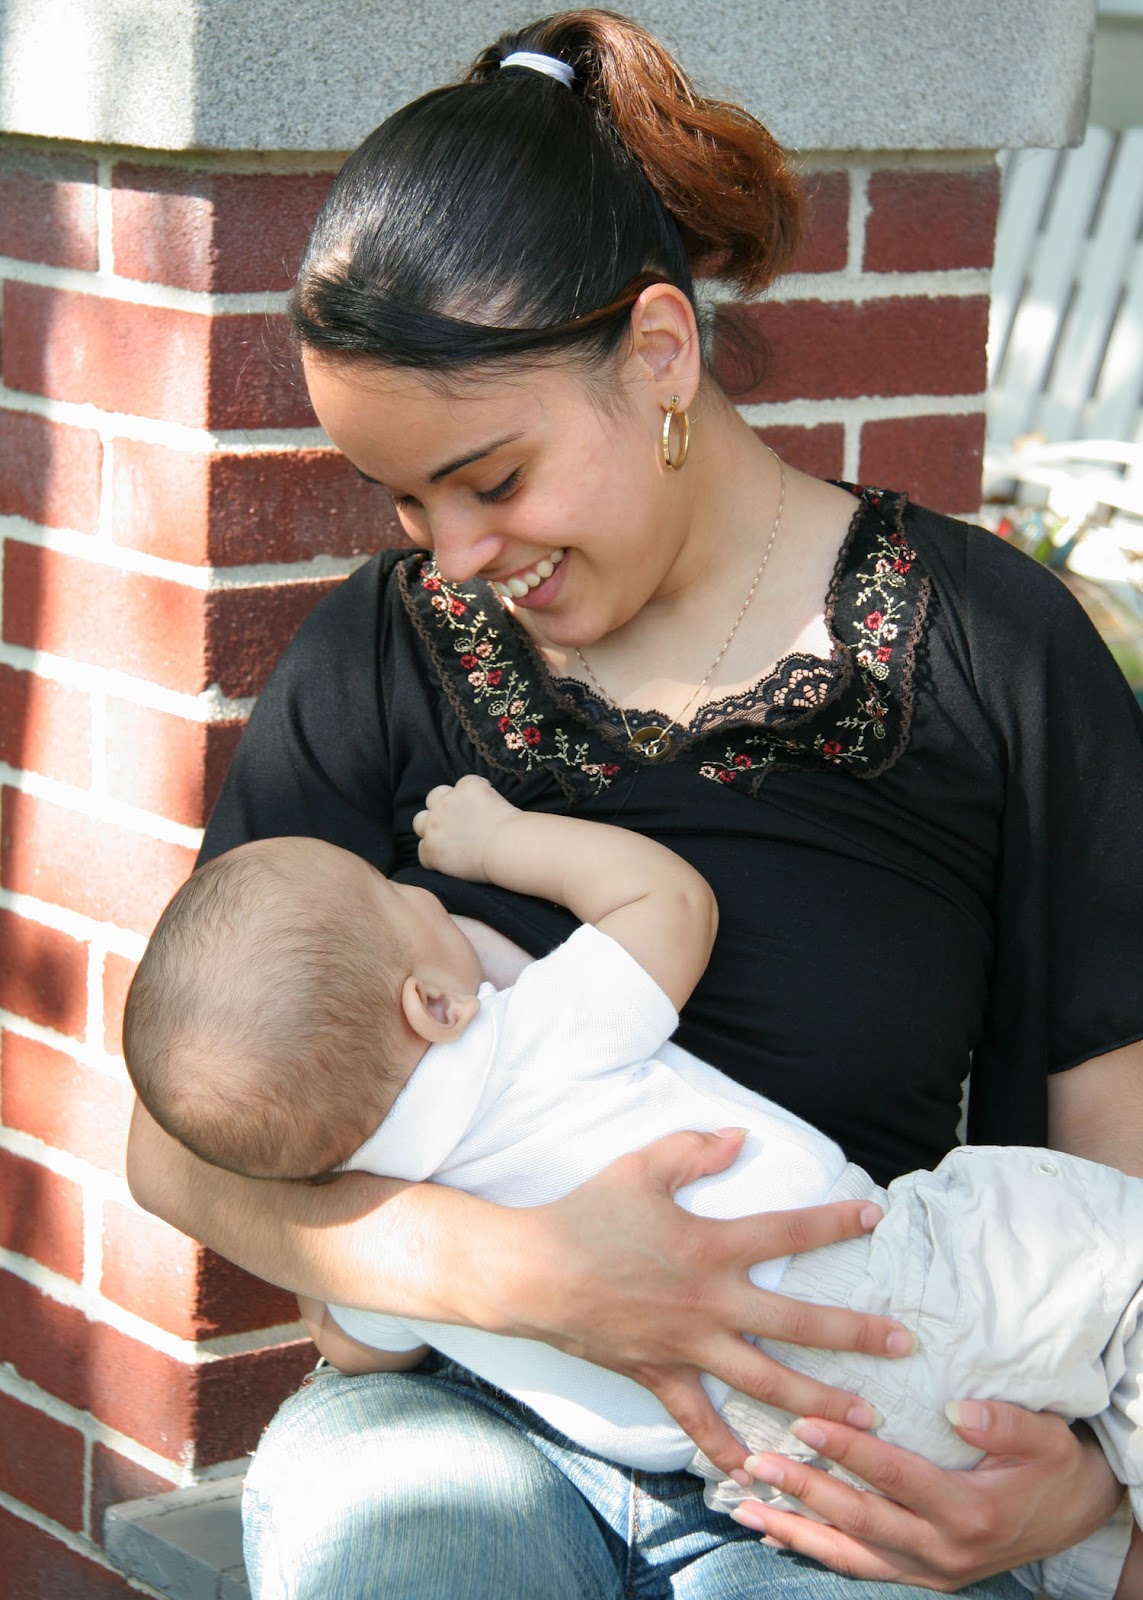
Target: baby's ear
{"points": [[435, 1014]]}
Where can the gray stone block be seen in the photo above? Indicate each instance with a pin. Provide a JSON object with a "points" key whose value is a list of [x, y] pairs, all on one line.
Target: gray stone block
{"points": [[316, 75], [187, 1544]]}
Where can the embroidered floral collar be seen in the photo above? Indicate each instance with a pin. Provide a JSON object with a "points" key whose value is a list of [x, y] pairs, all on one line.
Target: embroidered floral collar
{"points": [[851, 712]]}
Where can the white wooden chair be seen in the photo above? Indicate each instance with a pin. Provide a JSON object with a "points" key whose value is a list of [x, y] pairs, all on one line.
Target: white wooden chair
{"points": [[1065, 405]]}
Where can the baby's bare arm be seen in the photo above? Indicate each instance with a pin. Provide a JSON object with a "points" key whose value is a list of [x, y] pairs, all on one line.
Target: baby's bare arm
{"points": [[349, 1354], [641, 894]]}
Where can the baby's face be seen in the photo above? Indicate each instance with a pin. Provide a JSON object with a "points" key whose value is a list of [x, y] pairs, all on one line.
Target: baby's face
{"points": [[436, 946]]}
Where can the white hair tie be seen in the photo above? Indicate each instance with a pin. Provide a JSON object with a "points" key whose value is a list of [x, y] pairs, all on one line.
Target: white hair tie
{"points": [[550, 66]]}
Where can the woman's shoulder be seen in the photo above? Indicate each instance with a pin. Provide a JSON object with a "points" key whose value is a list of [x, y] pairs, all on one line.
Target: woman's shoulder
{"points": [[996, 597]]}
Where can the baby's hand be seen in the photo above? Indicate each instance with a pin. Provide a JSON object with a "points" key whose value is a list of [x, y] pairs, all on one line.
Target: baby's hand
{"points": [[458, 823]]}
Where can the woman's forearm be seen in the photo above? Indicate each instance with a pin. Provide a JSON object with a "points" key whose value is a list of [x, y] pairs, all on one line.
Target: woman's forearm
{"points": [[410, 1250]]}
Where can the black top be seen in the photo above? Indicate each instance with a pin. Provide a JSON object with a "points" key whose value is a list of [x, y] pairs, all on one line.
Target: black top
{"points": [[927, 850]]}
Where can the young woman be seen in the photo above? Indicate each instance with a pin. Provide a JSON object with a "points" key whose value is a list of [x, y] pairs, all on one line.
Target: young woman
{"points": [[893, 747]]}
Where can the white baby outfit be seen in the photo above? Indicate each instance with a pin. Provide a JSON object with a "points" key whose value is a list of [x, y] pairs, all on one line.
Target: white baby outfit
{"points": [[1021, 1270]]}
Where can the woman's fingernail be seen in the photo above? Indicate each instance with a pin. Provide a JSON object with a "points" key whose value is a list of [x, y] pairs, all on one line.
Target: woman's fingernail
{"points": [[809, 1433], [870, 1217], [748, 1515], [900, 1343], [741, 1478], [968, 1414], [863, 1415], [733, 1133], [771, 1472]]}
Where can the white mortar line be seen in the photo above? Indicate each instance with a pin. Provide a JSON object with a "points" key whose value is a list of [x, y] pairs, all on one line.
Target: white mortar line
{"points": [[106, 285], [149, 430], [97, 1308], [851, 450], [210, 705], [867, 408], [122, 558], [103, 215], [62, 919], [858, 216], [86, 1175], [819, 161], [99, 808], [860, 288]]}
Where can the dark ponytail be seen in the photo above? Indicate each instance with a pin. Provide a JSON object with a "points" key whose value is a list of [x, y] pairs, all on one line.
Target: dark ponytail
{"points": [[508, 215]]}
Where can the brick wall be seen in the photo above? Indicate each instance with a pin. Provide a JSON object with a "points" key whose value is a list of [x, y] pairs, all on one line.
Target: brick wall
{"points": [[167, 515]]}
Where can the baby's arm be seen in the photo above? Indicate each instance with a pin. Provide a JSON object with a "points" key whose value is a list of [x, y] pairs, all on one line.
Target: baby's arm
{"points": [[638, 892], [349, 1354]]}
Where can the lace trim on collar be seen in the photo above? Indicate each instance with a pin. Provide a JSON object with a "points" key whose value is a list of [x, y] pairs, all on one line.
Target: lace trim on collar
{"points": [[851, 712]]}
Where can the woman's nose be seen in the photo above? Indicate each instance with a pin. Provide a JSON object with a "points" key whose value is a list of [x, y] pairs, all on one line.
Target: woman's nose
{"points": [[461, 550]]}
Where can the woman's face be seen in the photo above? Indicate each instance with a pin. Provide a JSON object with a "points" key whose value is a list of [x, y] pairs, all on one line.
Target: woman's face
{"points": [[521, 478]]}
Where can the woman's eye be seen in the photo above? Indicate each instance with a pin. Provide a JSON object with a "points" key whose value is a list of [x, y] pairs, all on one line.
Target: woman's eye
{"points": [[502, 490], [406, 502]]}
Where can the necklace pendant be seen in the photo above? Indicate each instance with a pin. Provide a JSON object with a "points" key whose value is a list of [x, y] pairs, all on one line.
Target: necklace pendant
{"points": [[651, 743]]}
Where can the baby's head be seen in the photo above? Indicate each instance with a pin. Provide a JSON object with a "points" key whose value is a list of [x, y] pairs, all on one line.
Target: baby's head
{"points": [[285, 997]]}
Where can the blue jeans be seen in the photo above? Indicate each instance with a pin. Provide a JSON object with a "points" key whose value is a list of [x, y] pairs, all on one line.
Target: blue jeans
{"points": [[432, 1485]]}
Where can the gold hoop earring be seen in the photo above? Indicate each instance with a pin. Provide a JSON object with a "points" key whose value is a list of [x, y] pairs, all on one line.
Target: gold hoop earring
{"points": [[684, 442]]}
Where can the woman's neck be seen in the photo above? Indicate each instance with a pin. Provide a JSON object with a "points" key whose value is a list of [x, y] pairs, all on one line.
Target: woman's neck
{"points": [[734, 485]]}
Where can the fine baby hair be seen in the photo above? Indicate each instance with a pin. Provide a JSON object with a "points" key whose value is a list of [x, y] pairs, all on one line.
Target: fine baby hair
{"points": [[257, 1026], [513, 214]]}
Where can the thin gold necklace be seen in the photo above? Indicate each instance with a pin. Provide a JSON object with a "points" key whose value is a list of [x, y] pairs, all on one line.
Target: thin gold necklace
{"points": [[653, 742]]}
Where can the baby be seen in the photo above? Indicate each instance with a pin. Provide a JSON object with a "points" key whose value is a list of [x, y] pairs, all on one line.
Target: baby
{"points": [[297, 1013]]}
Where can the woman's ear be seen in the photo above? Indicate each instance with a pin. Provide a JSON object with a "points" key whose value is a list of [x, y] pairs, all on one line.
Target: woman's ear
{"points": [[435, 1014], [665, 338]]}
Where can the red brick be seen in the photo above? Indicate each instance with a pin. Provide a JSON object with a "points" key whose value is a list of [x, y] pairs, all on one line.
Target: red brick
{"points": [[247, 630], [192, 1413], [38, 1567], [43, 975], [117, 975], [41, 1215], [167, 764], [47, 208], [230, 510], [51, 1097], [152, 361], [826, 245], [149, 627], [178, 636], [49, 472], [836, 350], [179, 1285], [296, 506], [224, 232], [819, 451], [255, 378], [116, 1478], [937, 460], [94, 867], [931, 221], [41, 1463], [45, 727]]}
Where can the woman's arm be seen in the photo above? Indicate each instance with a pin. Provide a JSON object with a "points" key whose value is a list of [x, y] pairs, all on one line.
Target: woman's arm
{"points": [[615, 1272], [1041, 1488]]}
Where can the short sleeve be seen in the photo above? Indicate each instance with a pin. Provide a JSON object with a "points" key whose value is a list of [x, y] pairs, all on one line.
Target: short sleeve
{"points": [[313, 759], [1068, 908], [375, 1328], [584, 1010]]}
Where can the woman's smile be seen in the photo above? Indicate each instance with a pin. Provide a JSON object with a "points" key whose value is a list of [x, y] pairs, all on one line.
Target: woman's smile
{"points": [[532, 585]]}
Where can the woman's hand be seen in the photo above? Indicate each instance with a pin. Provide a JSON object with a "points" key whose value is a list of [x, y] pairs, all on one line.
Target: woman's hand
{"points": [[1041, 1488], [618, 1274]]}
